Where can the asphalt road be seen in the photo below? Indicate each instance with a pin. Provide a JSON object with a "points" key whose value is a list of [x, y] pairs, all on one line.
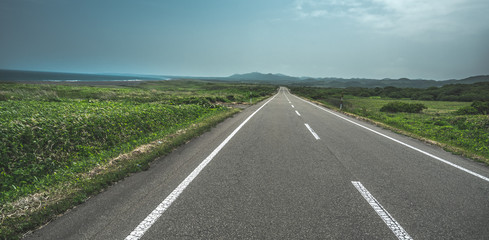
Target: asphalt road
{"points": [[287, 169]]}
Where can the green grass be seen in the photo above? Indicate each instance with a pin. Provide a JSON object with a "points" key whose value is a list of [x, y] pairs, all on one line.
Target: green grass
{"points": [[468, 134], [46, 141], [60, 143]]}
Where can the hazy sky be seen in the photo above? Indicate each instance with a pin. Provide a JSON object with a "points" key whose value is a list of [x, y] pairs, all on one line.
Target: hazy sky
{"points": [[433, 39]]}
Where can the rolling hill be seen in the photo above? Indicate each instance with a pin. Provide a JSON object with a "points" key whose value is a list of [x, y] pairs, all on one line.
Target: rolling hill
{"points": [[270, 78]]}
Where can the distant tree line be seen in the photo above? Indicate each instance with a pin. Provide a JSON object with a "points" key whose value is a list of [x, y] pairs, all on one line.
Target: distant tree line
{"points": [[452, 92]]}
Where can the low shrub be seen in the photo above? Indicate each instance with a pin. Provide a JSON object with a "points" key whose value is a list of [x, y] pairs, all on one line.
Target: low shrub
{"points": [[394, 107], [475, 108]]}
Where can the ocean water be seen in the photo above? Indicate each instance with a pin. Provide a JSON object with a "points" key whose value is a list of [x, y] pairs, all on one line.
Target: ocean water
{"points": [[27, 76]]}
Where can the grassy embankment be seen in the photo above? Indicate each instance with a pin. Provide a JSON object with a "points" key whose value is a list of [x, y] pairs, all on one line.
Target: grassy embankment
{"points": [[439, 124], [60, 144]]}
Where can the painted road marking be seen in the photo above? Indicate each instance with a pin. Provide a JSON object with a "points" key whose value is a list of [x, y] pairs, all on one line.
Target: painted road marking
{"points": [[292, 106], [402, 143], [312, 131], [139, 231], [286, 96], [382, 212], [297, 113]]}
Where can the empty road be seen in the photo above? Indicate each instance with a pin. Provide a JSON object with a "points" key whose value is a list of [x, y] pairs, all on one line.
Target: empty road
{"points": [[288, 169]]}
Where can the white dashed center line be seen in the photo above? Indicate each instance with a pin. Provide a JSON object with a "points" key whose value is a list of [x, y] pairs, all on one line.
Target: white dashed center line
{"points": [[312, 131]]}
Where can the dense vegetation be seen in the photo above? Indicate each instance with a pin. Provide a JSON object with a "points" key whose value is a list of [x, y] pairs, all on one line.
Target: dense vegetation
{"points": [[42, 139], [460, 126], [50, 135], [475, 108], [452, 92]]}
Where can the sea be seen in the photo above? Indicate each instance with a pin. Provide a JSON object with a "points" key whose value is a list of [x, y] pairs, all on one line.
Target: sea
{"points": [[59, 77]]}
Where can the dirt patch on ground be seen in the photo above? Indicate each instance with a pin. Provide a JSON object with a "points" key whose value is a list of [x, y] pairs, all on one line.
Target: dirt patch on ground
{"points": [[234, 105]]}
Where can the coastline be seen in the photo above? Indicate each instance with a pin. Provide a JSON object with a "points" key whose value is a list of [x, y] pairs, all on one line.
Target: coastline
{"points": [[82, 82]]}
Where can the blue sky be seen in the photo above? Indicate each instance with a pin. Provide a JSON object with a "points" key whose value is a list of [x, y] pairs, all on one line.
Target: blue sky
{"points": [[435, 39]]}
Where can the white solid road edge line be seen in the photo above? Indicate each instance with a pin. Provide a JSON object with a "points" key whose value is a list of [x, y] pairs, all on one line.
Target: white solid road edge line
{"points": [[139, 231], [402, 143], [312, 131], [382, 212]]}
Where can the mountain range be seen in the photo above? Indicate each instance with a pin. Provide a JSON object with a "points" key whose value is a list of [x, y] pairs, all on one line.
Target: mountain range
{"points": [[256, 77]]}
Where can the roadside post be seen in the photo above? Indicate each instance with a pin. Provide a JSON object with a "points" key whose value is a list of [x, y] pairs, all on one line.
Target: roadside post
{"points": [[341, 102]]}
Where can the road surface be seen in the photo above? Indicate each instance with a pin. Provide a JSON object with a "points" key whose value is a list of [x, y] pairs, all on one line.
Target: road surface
{"points": [[289, 169]]}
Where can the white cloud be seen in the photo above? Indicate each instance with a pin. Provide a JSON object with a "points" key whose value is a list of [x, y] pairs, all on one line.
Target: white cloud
{"points": [[412, 17], [404, 17], [319, 8]]}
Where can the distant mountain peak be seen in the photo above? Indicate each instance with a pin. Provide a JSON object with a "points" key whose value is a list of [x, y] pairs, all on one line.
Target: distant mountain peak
{"points": [[257, 76]]}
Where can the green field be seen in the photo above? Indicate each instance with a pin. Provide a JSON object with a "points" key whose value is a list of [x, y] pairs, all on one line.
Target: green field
{"points": [[374, 104], [462, 134], [438, 122], [54, 136]]}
